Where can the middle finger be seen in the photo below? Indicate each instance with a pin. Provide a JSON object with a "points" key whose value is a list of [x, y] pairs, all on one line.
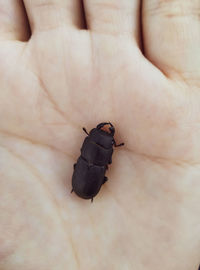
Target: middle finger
{"points": [[114, 17]]}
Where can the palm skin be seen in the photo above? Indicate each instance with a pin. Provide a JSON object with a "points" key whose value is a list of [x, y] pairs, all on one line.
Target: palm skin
{"points": [[147, 215]]}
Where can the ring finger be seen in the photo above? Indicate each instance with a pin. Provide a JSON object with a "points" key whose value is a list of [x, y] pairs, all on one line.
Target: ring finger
{"points": [[13, 20]]}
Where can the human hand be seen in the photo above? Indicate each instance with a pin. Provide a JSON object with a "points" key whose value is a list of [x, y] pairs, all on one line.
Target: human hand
{"points": [[65, 77]]}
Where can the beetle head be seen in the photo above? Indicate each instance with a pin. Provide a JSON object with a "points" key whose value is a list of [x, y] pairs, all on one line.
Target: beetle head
{"points": [[112, 130]]}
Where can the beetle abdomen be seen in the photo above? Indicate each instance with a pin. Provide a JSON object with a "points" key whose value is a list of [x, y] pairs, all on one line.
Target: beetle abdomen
{"points": [[87, 180], [95, 153]]}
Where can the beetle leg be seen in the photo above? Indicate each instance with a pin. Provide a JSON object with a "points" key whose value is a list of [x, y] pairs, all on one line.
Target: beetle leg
{"points": [[110, 161], [117, 145], [92, 200], [72, 190], [105, 179], [84, 129], [74, 165]]}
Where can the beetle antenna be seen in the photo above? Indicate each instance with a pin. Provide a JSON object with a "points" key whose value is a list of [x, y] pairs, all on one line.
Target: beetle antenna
{"points": [[117, 145], [84, 129]]}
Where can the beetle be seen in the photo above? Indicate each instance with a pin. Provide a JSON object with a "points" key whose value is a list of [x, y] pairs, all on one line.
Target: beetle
{"points": [[96, 154]]}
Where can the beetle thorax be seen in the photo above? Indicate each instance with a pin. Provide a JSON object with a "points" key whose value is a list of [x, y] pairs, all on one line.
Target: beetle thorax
{"points": [[101, 137]]}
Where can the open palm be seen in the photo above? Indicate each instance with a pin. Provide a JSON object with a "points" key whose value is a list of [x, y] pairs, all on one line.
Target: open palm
{"points": [[65, 77]]}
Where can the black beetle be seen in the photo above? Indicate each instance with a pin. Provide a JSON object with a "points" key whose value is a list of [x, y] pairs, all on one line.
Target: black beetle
{"points": [[96, 154]]}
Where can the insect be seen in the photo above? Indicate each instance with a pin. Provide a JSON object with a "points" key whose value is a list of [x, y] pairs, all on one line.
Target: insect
{"points": [[96, 154]]}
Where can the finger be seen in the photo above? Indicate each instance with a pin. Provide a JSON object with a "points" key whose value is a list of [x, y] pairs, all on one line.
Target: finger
{"points": [[50, 14], [13, 20], [172, 35], [115, 17]]}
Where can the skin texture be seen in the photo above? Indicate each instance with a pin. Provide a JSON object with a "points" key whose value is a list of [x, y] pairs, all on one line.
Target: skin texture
{"points": [[65, 65]]}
